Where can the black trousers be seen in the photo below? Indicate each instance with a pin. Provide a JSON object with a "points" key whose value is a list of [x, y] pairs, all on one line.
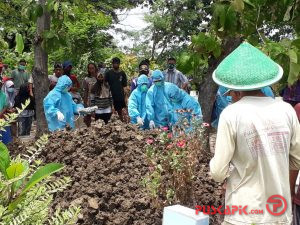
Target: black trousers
{"points": [[104, 116], [25, 125]]}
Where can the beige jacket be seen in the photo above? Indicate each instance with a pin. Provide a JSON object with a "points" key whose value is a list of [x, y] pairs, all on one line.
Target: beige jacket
{"points": [[260, 138]]}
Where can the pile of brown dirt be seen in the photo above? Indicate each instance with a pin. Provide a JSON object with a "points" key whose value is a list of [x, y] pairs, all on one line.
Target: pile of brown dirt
{"points": [[107, 164]]}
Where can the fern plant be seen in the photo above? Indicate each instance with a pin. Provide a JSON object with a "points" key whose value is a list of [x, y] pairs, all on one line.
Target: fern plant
{"points": [[27, 188]]}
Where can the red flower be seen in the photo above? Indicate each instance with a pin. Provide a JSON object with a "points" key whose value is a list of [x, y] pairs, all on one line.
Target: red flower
{"points": [[170, 135], [165, 128], [169, 146], [181, 144], [149, 141], [205, 124]]}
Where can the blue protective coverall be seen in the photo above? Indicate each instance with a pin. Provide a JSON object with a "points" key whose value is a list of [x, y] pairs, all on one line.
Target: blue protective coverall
{"points": [[137, 102], [158, 107], [59, 99], [268, 92], [220, 104], [179, 99], [222, 101]]}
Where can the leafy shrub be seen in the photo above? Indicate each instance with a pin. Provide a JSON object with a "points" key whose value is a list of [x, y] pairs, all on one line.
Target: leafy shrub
{"points": [[27, 188], [172, 160]]}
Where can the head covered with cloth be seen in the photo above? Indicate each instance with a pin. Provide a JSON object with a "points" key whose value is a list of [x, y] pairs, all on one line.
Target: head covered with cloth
{"points": [[180, 100], [59, 106], [158, 107], [137, 102]]}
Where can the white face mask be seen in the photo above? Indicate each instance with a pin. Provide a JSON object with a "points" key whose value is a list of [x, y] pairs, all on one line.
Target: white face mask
{"points": [[10, 90]]}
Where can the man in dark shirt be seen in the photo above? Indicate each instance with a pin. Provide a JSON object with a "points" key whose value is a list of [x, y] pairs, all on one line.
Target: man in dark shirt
{"points": [[117, 80]]}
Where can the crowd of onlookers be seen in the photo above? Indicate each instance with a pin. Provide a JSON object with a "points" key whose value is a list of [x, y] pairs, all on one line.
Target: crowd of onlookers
{"points": [[108, 88], [16, 87]]}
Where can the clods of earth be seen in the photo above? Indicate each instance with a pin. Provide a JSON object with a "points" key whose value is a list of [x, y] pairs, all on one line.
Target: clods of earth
{"points": [[107, 165]]}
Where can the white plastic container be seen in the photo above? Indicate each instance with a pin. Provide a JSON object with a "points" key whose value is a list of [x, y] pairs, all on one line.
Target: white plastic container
{"points": [[180, 215]]}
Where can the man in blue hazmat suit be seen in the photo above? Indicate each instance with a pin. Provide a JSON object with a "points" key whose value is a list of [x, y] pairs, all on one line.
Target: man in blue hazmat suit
{"points": [[223, 100], [137, 103], [180, 100], [158, 107], [59, 106], [268, 92]]}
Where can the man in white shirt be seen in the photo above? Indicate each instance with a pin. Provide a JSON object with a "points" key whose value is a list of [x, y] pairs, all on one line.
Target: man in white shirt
{"points": [[258, 138]]}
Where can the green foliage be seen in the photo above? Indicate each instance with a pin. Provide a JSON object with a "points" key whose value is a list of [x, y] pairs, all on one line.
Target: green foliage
{"points": [[252, 17], [16, 174], [11, 117], [224, 19], [34, 151], [130, 65], [238, 5], [41, 174], [4, 159], [26, 187], [19, 44], [12, 58], [27, 193], [85, 36], [66, 217], [206, 45], [172, 23], [172, 159], [287, 54], [3, 43], [194, 61], [251, 20], [77, 28]]}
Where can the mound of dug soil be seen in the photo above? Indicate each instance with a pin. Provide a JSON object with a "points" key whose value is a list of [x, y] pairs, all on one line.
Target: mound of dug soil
{"points": [[107, 164]]}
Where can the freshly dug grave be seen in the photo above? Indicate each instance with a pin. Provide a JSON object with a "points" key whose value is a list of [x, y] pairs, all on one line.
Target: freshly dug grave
{"points": [[107, 164]]}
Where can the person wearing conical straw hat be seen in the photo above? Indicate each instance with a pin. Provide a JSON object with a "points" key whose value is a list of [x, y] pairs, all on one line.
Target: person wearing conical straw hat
{"points": [[258, 141], [223, 100]]}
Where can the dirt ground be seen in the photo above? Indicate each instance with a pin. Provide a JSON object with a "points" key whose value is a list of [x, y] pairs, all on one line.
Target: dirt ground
{"points": [[107, 164]]}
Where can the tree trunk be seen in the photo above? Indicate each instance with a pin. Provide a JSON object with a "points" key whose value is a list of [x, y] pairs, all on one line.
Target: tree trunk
{"points": [[40, 71], [208, 87], [153, 46]]}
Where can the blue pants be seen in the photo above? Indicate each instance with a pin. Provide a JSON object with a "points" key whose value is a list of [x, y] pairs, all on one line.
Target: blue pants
{"points": [[6, 137]]}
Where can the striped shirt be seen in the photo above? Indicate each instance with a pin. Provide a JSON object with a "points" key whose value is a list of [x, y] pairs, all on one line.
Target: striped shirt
{"points": [[175, 77]]}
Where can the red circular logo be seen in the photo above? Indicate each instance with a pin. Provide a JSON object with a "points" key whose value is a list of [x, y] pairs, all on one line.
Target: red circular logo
{"points": [[278, 202]]}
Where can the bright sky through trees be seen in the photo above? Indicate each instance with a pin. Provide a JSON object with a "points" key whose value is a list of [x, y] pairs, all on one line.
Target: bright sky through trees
{"points": [[131, 20]]}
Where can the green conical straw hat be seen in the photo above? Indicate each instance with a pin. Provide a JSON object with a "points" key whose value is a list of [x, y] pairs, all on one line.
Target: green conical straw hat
{"points": [[247, 68]]}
